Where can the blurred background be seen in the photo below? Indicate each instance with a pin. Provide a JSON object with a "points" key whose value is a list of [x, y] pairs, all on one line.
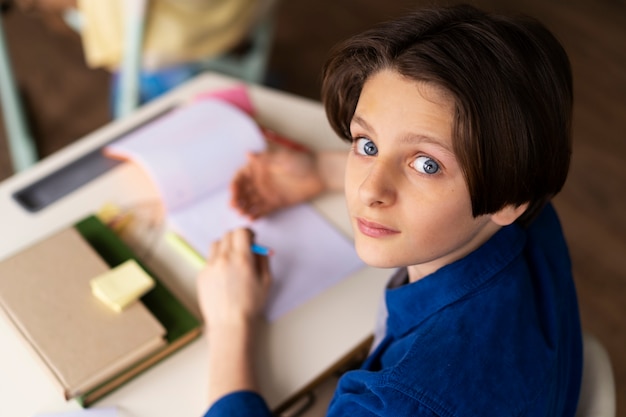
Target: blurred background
{"points": [[64, 99]]}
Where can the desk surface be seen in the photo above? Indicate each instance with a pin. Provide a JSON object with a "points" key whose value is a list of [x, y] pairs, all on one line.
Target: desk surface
{"points": [[293, 351]]}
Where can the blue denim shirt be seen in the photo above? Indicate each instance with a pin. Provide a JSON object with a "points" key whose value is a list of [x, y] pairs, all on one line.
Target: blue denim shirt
{"points": [[495, 333]]}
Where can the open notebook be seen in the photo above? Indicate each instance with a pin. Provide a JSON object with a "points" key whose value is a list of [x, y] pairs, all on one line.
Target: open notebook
{"points": [[192, 154]]}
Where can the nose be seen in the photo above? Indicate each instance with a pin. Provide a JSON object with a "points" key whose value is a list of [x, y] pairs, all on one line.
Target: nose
{"points": [[377, 188]]}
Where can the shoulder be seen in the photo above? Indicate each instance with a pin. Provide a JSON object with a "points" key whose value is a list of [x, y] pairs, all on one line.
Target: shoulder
{"points": [[545, 239], [509, 347]]}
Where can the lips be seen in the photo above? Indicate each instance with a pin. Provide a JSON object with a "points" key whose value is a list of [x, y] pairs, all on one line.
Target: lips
{"points": [[372, 229]]}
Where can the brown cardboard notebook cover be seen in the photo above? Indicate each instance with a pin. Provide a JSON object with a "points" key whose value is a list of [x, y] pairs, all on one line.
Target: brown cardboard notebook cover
{"points": [[45, 291]]}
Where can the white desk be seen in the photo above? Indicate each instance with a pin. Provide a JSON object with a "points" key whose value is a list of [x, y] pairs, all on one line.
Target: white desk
{"points": [[293, 351]]}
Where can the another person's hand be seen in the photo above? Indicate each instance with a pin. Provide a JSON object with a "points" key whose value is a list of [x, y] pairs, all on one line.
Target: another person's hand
{"points": [[233, 286], [274, 179]]}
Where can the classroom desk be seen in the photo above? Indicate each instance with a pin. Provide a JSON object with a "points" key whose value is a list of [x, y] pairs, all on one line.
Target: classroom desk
{"points": [[293, 352]]}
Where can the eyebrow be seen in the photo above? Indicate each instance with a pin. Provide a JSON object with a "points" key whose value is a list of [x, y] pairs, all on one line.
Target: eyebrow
{"points": [[360, 121], [410, 138]]}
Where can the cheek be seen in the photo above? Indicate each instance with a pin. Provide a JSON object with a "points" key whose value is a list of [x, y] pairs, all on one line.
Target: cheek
{"points": [[352, 201], [437, 215], [352, 181]]}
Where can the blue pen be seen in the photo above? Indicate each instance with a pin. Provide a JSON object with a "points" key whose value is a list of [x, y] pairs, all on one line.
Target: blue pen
{"points": [[261, 250]]}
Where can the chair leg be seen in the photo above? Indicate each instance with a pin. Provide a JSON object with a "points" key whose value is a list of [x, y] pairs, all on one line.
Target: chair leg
{"points": [[252, 65], [21, 144], [128, 93]]}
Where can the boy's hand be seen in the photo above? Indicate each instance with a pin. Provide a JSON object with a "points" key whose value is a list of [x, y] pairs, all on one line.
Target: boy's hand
{"points": [[233, 286]]}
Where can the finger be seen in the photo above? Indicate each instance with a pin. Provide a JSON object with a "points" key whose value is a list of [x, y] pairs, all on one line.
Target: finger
{"points": [[241, 239], [242, 204], [245, 207], [247, 196], [250, 156], [263, 265], [244, 173], [250, 204], [239, 186], [254, 156], [225, 245], [239, 199], [213, 250], [244, 196]]}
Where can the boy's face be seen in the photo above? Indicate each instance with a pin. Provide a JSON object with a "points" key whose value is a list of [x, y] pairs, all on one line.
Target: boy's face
{"points": [[407, 197]]}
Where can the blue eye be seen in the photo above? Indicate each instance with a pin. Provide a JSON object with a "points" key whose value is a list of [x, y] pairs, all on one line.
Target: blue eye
{"points": [[426, 165], [365, 146]]}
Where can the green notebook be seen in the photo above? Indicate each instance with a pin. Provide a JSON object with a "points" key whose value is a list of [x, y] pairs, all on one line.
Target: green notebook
{"points": [[181, 325]]}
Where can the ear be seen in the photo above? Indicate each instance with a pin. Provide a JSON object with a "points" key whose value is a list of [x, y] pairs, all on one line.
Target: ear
{"points": [[508, 214]]}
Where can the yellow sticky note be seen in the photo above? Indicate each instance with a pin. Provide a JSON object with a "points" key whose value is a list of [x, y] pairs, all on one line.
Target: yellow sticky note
{"points": [[122, 285]]}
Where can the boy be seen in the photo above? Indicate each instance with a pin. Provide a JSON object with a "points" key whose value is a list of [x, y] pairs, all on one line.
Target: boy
{"points": [[460, 129]]}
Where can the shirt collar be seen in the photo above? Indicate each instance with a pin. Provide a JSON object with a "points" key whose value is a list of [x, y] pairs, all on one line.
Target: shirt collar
{"points": [[410, 304]]}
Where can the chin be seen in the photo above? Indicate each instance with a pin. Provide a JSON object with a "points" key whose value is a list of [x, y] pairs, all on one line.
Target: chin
{"points": [[376, 258]]}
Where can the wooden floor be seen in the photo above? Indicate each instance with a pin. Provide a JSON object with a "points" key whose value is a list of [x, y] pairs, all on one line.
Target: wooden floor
{"points": [[65, 100]]}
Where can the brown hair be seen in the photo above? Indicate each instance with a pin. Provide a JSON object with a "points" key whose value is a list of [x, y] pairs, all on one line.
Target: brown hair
{"points": [[512, 84]]}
